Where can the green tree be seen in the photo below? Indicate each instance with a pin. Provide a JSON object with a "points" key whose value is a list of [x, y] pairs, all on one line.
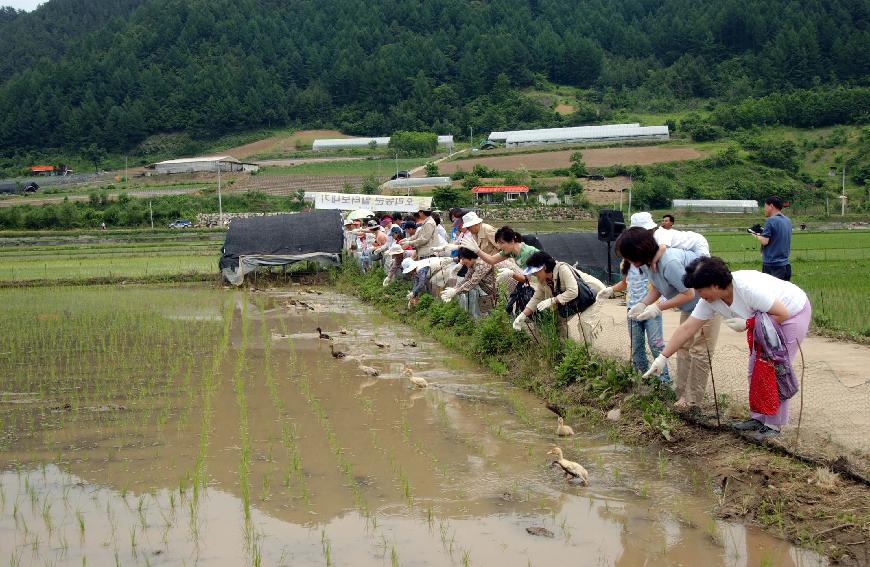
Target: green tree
{"points": [[447, 197], [414, 144], [431, 169], [578, 166]]}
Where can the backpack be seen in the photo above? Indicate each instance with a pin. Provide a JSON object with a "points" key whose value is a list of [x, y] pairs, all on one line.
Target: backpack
{"points": [[585, 298]]}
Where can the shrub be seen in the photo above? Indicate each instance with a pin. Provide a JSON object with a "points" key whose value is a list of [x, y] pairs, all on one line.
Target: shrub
{"points": [[414, 144]]}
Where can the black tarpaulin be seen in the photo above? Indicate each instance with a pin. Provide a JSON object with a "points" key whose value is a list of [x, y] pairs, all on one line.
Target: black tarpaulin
{"points": [[280, 240], [584, 250]]}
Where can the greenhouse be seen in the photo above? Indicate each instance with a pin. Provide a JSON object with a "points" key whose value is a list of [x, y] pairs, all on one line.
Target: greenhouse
{"points": [[589, 134], [503, 136], [417, 182], [341, 143], [716, 205]]}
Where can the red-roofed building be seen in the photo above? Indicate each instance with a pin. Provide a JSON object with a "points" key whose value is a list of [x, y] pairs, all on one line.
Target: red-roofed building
{"points": [[42, 169], [510, 192]]}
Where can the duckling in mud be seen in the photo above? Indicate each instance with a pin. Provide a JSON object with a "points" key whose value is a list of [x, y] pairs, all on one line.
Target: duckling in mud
{"points": [[379, 344], [322, 335], [572, 470], [417, 381], [336, 353], [563, 430], [368, 370]]}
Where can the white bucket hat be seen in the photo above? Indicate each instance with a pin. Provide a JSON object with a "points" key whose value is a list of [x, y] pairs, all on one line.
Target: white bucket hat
{"points": [[408, 265], [395, 250], [470, 219], [529, 270], [642, 220]]}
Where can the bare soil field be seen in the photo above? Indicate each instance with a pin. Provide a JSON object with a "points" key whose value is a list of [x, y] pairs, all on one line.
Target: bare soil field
{"points": [[599, 192], [594, 157], [283, 142], [564, 109]]}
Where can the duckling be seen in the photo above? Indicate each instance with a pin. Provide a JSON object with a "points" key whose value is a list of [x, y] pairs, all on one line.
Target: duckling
{"points": [[417, 381], [563, 430], [322, 335], [343, 331], [336, 353], [411, 344], [379, 344], [572, 469], [368, 370]]}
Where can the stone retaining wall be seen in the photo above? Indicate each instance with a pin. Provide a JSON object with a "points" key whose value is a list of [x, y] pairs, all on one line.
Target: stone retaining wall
{"points": [[518, 214]]}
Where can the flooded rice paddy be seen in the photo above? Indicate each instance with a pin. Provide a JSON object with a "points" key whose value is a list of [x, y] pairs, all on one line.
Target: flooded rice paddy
{"points": [[188, 425]]}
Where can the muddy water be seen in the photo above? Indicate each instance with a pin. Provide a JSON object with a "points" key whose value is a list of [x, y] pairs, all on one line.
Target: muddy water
{"points": [[259, 447]]}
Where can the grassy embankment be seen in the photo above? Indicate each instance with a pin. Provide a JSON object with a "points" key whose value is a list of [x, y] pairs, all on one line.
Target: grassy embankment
{"points": [[776, 493]]}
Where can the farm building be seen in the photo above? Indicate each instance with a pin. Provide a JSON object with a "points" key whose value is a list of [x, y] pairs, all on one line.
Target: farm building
{"points": [[716, 205], [486, 193], [208, 164], [42, 170], [343, 143], [589, 134], [501, 137]]}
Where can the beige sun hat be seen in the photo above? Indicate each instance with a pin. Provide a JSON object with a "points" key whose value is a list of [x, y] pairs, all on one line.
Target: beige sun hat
{"points": [[395, 250], [470, 219]]}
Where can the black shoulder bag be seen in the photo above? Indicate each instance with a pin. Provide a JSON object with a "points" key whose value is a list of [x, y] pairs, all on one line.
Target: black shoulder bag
{"points": [[579, 304]]}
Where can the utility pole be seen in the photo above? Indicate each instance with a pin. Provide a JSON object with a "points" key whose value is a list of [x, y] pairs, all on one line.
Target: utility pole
{"points": [[220, 202], [151, 213], [843, 197], [629, 195], [471, 138], [127, 178]]}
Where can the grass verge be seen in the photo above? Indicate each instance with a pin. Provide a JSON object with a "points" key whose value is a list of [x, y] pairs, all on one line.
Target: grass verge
{"points": [[750, 483]]}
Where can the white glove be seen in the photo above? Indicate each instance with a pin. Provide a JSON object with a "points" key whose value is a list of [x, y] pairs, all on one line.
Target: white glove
{"points": [[518, 322], [404, 241], [605, 293], [386, 281], [504, 274], [736, 324], [438, 249], [448, 294], [469, 242], [455, 268], [636, 310], [651, 312], [658, 366], [546, 303], [410, 295]]}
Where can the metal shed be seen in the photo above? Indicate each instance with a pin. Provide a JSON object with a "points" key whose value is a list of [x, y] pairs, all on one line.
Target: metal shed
{"points": [[207, 164], [717, 205]]}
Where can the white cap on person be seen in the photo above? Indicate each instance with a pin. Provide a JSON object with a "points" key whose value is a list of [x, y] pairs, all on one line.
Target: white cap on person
{"points": [[470, 219], [642, 220], [408, 265]]}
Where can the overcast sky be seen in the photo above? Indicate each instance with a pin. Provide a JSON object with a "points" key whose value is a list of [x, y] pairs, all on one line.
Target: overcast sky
{"points": [[22, 4]]}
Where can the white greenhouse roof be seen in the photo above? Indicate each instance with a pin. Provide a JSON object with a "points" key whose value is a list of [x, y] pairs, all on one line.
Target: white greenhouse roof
{"points": [[503, 136], [445, 140], [589, 133], [714, 203], [418, 182], [348, 142]]}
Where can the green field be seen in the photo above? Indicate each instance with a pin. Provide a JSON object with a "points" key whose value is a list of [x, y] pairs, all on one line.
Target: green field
{"points": [[361, 167]]}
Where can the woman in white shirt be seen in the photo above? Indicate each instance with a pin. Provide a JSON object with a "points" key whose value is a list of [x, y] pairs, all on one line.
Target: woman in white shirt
{"points": [[737, 296]]}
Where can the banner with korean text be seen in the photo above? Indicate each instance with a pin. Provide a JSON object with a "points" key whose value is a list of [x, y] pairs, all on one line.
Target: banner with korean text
{"points": [[384, 203]]}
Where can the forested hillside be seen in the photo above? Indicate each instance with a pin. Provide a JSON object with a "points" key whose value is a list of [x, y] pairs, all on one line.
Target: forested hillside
{"points": [[74, 75]]}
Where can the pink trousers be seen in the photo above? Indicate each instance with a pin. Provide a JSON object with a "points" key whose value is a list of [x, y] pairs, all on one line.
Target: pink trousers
{"points": [[795, 331]]}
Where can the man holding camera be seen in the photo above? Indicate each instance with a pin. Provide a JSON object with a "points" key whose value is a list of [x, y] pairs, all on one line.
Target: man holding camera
{"points": [[775, 239]]}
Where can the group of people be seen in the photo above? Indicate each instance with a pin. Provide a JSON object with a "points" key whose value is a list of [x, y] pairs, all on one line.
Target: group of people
{"points": [[467, 261], [663, 268]]}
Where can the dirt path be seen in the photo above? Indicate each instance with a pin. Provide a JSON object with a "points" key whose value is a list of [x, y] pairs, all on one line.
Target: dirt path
{"points": [[836, 384], [594, 157]]}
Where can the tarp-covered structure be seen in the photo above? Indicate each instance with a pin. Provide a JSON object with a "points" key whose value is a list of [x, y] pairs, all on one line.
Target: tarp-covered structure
{"points": [[279, 240], [584, 250]]}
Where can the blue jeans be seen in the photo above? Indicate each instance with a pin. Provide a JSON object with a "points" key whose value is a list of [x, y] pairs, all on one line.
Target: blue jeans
{"points": [[641, 332], [470, 301]]}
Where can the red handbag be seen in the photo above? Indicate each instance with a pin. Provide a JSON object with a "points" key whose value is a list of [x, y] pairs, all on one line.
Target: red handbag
{"points": [[763, 392]]}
